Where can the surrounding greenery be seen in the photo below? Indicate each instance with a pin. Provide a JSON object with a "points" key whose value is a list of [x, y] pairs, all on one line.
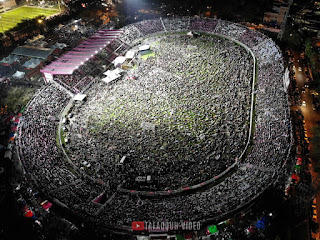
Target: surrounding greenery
{"points": [[17, 97], [292, 38], [312, 55]]}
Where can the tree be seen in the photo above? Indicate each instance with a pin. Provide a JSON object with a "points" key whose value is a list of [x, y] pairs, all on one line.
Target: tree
{"points": [[292, 38], [310, 53]]}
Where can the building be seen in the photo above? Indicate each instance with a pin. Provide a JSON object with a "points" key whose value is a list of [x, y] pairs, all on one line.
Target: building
{"points": [[277, 15], [7, 4]]}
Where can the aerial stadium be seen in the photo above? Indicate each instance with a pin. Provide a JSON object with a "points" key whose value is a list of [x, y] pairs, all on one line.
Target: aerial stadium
{"points": [[181, 119]]}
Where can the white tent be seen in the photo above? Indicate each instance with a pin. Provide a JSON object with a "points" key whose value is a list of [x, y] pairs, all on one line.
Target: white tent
{"points": [[8, 154], [10, 59], [286, 80], [131, 54], [118, 70], [144, 48], [190, 34], [79, 97], [148, 126], [123, 159], [26, 64], [18, 75], [111, 76], [119, 61], [59, 45], [32, 63]]}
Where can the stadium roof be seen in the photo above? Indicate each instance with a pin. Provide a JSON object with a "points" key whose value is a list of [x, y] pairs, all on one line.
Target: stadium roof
{"points": [[31, 51], [70, 61]]}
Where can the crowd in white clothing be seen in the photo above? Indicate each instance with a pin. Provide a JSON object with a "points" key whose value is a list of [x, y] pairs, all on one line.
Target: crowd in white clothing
{"points": [[218, 73]]}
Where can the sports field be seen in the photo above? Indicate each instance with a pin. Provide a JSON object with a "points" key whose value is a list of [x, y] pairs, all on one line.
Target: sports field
{"points": [[147, 54], [11, 18]]}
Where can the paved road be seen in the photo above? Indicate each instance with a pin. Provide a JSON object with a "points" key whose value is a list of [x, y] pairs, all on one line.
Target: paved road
{"points": [[311, 117]]}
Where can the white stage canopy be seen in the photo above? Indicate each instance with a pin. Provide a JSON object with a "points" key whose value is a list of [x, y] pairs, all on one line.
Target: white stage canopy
{"points": [[18, 75], [119, 61], [111, 75], [79, 97], [131, 54], [144, 48]]}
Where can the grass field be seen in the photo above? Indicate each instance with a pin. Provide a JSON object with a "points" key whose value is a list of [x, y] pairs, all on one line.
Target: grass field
{"points": [[11, 18], [148, 54]]}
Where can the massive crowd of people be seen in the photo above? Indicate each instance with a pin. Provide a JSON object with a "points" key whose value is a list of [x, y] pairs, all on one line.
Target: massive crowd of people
{"points": [[75, 83], [200, 109], [201, 75], [234, 192], [37, 138]]}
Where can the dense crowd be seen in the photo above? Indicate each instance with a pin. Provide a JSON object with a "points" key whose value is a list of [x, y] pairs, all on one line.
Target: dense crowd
{"points": [[230, 30], [176, 24], [218, 129], [117, 46], [38, 129], [203, 25], [271, 139], [153, 26], [40, 154], [252, 38], [234, 192], [75, 83], [130, 34], [201, 131]]}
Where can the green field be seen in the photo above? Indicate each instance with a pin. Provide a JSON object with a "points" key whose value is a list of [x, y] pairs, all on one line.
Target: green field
{"points": [[148, 54], [11, 18]]}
